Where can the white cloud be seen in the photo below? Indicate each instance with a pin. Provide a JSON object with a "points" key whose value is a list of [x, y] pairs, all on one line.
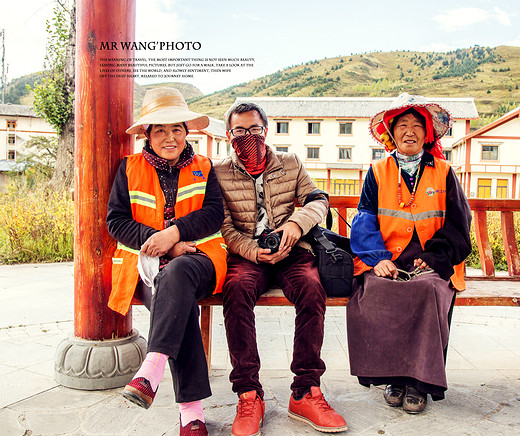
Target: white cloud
{"points": [[502, 17], [462, 18]]}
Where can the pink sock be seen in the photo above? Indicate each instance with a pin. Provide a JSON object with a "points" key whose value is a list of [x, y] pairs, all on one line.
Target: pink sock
{"points": [[191, 412], [152, 369]]}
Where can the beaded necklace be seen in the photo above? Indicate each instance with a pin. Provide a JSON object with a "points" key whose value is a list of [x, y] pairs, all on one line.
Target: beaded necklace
{"points": [[412, 198], [412, 165]]}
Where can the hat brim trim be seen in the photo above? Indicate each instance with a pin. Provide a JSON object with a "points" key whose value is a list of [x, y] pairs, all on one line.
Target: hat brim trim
{"points": [[442, 119], [193, 120]]}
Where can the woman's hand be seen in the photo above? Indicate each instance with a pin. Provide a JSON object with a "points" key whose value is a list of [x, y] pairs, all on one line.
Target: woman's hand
{"points": [[420, 263], [160, 243], [181, 248], [386, 268]]}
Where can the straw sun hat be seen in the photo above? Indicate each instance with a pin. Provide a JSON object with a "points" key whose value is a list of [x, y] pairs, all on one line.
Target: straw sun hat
{"points": [[441, 119], [166, 106]]}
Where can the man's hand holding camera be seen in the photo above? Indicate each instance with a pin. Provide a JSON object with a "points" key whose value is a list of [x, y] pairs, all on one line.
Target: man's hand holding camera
{"points": [[290, 234]]}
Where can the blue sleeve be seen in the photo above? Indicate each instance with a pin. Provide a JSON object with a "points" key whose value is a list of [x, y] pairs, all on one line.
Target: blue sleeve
{"points": [[366, 240]]}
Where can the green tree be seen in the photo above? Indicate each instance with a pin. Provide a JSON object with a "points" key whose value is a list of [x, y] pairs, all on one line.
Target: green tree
{"points": [[54, 94], [39, 159]]}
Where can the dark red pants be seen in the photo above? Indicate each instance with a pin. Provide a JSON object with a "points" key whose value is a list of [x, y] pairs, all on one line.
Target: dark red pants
{"points": [[298, 277]]}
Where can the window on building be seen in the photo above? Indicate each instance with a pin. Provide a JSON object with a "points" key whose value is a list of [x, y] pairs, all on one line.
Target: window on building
{"points": [[282, 127], [195, 144], [345, 127], [378, 153], [11, 124], [228, 148], [449, 133], [217, 148], [313, 153], [447, 155], [344, 187], [502, 188], [282, 148], [484, 188], [11, 155], [11, 139], [489, 152], [345, 154], [313, 128]]}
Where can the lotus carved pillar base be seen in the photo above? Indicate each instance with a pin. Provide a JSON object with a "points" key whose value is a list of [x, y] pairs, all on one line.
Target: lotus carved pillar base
{"points": [[95, 365]]}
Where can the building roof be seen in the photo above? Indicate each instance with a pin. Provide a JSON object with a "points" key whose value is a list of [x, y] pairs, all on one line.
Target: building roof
{"points": [[349, 107], [216, 128], [10, 165], [19, 110], [515, 113]]}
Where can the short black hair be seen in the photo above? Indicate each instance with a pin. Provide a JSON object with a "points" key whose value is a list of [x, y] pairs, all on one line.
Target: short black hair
{"points": [[244, 107]]}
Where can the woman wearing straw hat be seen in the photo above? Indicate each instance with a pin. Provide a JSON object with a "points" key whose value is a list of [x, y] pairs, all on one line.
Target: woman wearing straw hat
{"points": [[165, 211], [411, 235]]}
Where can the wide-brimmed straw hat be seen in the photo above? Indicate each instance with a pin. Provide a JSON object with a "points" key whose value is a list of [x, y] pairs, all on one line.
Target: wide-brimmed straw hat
{"points": [[166, 106], [441, 119]]}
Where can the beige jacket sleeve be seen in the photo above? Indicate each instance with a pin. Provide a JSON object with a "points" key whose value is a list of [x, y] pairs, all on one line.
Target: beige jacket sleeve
{"points": [[315, 211], [238, 242]]}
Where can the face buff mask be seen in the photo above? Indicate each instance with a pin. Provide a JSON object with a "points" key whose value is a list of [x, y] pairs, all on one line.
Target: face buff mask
{"points": [[251, 151]]}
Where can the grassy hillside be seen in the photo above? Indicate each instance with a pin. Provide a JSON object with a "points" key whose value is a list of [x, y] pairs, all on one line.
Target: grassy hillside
{"points": [[490, 75]]}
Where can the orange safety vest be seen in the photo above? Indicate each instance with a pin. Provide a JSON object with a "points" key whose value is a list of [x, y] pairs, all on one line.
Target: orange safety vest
{"points": [[147, 203], [426, 214]]}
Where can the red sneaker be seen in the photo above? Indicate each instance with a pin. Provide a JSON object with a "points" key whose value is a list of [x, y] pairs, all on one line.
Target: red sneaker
{"points": [[194, 428], [250, 415], [314, 410], [139, 392]]}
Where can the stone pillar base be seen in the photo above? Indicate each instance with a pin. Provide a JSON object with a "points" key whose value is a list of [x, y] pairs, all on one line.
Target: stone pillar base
{"points": [[95, 365]]}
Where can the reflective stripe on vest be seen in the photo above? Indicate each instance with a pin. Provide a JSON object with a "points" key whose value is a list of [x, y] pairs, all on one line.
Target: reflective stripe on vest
{"points": [[125, 248], [191, 190], [142, 198], [208, 238]]}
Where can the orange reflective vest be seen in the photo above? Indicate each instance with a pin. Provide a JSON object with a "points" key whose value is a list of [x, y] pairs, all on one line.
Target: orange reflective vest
{"points": [[147, 203], [426, 214]]}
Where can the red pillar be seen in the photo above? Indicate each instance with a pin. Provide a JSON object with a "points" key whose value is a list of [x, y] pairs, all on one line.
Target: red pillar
{"points": [[105, 352], [104, 110]]}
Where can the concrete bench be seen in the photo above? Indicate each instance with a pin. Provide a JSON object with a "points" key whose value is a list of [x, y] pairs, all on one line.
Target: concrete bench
{"points": [[479, 292]]}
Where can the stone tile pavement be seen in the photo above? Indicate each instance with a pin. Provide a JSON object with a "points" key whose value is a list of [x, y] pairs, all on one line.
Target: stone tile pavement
{"points": [[36, 313]]}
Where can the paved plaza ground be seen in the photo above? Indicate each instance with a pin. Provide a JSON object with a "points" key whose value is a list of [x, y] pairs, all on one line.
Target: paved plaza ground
{"points": [[36, 313]]}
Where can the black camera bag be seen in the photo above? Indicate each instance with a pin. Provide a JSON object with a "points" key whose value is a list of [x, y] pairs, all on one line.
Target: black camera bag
{"points": [[335, 264]]}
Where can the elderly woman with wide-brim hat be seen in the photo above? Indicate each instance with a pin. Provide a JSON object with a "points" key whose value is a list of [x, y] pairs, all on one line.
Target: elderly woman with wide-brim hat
{"points": [[410, 235], [165, 211]]}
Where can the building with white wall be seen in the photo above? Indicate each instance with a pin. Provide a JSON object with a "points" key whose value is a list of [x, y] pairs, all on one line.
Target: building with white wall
{"points": [[18, 123], [488, 159], [330, 134]]}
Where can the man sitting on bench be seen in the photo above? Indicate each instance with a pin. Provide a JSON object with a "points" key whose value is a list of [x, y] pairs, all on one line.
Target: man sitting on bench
{"points": [[259, 187]]}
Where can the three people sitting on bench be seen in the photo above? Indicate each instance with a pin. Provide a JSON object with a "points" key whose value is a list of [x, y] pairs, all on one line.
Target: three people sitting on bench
{"points": [[170, 204]]}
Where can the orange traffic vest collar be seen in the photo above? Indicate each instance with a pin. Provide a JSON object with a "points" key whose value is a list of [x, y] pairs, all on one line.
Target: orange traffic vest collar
{"points": [[147, 203], [425, 215]]}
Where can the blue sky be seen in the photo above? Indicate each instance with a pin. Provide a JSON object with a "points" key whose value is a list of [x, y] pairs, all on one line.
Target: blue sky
{"points": [[283, 33]]}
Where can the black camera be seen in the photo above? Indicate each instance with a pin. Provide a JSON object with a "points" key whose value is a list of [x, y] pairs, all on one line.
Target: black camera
{"points": [[270, 239]]}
